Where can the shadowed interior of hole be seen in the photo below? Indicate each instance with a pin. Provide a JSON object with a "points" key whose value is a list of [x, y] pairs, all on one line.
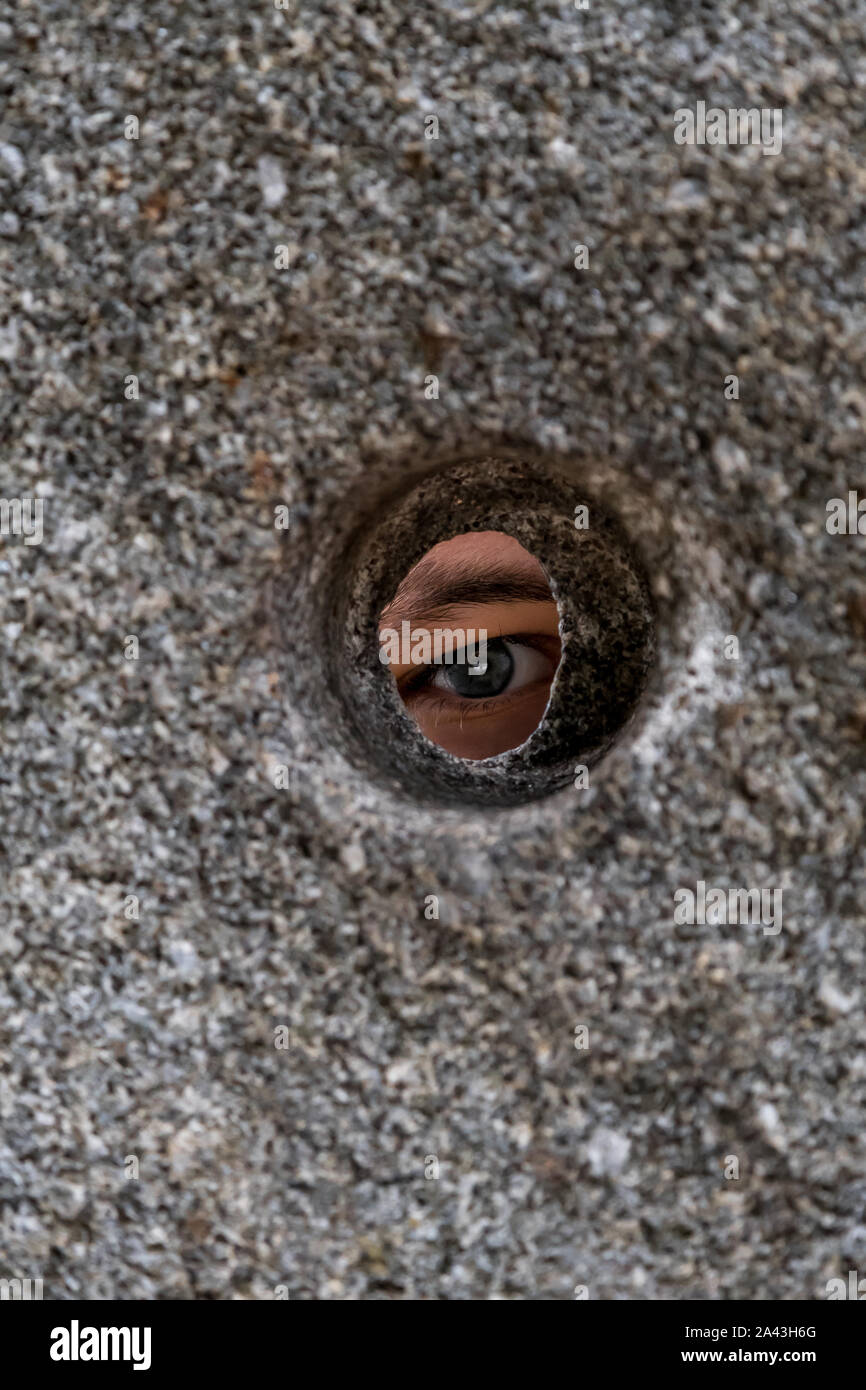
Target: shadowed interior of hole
{"points": [[471, 638], [606, 627]]}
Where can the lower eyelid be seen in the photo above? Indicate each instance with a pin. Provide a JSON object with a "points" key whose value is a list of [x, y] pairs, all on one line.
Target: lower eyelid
{"points": [[431, 696]]}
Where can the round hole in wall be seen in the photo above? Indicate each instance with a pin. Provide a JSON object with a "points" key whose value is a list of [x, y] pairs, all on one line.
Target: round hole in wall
{"points": [[598, 661]]}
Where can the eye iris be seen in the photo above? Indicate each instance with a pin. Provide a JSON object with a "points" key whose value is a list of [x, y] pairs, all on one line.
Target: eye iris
{"points": [[500, 668]]}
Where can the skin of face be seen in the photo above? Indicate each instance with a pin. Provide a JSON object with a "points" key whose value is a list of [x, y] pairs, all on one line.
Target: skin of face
{"points": [[480, 580]]}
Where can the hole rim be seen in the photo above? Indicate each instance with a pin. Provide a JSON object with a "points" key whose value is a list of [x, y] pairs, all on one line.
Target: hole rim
{"points": [[535, 503]]}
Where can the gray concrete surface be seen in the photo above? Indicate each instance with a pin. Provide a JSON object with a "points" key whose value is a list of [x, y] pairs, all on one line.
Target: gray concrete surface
{"points": [[259, 907]]}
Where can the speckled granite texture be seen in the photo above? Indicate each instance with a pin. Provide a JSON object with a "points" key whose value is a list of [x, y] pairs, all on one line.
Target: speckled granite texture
{"points": [[413, 1039]]}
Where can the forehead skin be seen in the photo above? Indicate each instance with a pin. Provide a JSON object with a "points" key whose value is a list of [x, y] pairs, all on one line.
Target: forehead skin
{"points": [[481, 567]]}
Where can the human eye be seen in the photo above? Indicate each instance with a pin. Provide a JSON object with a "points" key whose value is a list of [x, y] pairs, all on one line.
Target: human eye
{"points": [[478, 644], [509, 665], [477, 714]]}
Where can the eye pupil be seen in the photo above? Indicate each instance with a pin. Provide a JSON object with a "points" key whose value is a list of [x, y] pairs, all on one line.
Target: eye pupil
{"points": [[492, 681]]}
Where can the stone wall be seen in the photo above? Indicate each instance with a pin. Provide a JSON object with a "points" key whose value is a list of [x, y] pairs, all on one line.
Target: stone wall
{"points": [[240, 304]]}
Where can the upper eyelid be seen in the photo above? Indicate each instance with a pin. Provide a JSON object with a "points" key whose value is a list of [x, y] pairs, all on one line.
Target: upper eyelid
{"points": [[529, 639]]}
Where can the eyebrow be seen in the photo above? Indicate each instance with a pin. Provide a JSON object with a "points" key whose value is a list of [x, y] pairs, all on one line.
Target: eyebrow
{"points": [[435, 597]]}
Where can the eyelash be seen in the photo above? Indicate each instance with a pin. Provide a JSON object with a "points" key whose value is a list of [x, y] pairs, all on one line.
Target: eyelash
{"points": [[442, 704], [415, 683]]}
